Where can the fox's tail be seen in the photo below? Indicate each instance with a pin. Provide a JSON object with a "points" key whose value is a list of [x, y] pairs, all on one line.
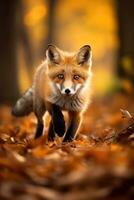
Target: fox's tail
{"points": [[24, 105]]}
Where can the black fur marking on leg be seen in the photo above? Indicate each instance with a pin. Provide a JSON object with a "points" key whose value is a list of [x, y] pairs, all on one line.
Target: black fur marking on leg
{"points": [[51, 133], [39, 130], [58, 121], [72, 129]]}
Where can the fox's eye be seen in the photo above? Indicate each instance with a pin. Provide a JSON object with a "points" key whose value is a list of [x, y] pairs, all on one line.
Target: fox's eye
{"points": [[60, 76], [76, 77]]}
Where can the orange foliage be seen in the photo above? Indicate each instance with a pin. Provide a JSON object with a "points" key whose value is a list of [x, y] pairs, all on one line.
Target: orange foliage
{"points": [[98, 164]]}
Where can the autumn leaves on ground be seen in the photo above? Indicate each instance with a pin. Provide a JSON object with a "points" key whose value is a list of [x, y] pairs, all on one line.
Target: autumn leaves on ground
{"points": [[99, 164]]}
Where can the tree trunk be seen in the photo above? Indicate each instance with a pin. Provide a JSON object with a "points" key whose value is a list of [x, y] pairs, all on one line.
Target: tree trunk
{"points": [[51, 20], [125, 11], [26, 42], [51, 4], [9, 89]]}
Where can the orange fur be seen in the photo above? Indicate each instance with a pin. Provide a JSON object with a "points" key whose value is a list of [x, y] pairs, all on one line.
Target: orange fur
{"points": [[63, 71]]}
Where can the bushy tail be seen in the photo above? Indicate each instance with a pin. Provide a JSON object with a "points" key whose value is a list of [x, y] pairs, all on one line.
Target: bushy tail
{"points": [[24, 105]]}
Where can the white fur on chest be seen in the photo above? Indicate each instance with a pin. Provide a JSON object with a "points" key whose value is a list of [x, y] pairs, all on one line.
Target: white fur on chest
{"points": [[71, 103]]}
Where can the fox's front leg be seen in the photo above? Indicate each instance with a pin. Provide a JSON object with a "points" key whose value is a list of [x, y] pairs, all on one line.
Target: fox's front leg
{"points": [[39, 110], [51, 132], [57, 124], [73, 126]]}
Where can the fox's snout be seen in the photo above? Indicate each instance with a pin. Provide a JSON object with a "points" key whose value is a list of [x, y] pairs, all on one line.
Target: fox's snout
{"points": [[68, 91], [73, 89], [68, 88]]}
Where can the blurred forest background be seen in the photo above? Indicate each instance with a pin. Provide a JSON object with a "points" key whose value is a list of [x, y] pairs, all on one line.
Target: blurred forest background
{"points": [[27, 26], [99, 164]]}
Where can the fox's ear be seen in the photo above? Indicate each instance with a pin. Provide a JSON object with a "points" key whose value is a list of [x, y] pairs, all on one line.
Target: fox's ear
{"points": [[53, 54], [84, 55]]}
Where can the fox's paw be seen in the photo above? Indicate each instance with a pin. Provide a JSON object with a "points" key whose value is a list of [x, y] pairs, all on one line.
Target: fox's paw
{"points": [[68, 138]]}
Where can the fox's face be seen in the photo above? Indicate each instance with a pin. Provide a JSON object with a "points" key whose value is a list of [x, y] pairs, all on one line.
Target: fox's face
{"points": [[68, 72]]}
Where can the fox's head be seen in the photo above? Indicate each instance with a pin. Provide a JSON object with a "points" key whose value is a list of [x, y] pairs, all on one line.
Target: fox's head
{"points": [[68, 72]]}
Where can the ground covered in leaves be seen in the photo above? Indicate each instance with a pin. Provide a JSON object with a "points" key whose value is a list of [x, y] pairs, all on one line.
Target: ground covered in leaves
{"points": [[99, 164]]}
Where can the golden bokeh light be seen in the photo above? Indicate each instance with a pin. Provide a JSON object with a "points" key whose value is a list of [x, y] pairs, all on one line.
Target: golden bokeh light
{"points": [[35, 15]]}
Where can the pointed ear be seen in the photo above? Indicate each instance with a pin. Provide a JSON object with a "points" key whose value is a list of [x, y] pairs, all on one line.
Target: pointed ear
{"points": [[53, 54], [84, 55]]}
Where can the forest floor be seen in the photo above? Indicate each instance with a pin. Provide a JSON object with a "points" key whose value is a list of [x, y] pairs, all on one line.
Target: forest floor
{"points": [[99, 164]]}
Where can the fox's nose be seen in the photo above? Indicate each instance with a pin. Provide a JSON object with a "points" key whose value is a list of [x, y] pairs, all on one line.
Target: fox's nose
{"points": [[67, 91]]}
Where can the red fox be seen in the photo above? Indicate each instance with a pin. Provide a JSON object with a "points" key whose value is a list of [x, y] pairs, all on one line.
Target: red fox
{"points": [[61, 83]]}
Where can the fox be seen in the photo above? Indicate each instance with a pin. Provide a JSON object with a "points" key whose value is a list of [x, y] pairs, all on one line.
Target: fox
{"points": [[62, 82]]}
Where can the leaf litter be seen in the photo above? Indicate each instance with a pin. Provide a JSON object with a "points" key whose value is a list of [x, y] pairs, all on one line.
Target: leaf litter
{"points": [[99, 164]]}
